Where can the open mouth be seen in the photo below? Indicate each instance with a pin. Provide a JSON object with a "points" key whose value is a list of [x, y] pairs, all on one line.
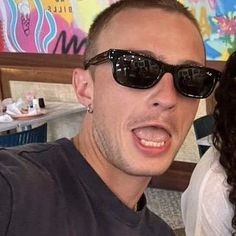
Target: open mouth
{"points": [[152, 136], [148, 143]]}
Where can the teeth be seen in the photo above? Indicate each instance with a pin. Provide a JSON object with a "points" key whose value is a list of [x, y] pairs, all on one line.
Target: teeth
{"points": [[152, 143]]}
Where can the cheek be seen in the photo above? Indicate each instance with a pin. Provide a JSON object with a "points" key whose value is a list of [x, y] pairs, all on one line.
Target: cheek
{"points": [[193, 107], [108, 105], [189, 112], [111, 98]]}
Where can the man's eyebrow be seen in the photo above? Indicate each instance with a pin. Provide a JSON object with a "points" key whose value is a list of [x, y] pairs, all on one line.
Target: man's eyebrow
{"points": [[191, 62], [162, 58]]}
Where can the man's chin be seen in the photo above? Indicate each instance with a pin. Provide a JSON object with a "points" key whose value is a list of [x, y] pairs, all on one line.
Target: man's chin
{"points": [[147, 172]]}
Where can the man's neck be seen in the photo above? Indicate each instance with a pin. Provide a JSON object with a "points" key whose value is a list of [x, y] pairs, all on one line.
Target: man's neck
{"points": [[128, 188]]}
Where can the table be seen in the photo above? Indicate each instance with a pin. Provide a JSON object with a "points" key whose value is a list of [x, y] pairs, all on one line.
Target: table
{"points": [[54, 110]]}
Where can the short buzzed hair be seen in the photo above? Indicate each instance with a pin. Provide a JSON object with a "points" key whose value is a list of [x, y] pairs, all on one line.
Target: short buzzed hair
{"points": [[104, 18]]}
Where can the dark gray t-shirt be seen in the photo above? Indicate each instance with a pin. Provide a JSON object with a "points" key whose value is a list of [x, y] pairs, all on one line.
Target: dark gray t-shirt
{"points": [[50, 190]]}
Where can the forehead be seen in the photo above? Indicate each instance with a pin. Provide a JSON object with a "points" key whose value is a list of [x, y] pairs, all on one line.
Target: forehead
{"points": [[154, 30]]}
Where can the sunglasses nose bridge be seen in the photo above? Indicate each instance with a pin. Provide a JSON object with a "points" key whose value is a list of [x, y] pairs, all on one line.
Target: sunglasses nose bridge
{"points": [[165, 68]]}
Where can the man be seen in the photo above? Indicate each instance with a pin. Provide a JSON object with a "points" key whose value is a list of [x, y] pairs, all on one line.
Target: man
{"points": [[142, 82]]}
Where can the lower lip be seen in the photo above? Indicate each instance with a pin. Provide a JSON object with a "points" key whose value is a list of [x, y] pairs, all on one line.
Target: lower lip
{"points": [[151, 151]]}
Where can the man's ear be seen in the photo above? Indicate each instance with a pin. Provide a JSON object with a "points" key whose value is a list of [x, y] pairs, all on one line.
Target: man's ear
{"points": [[83, 86]]}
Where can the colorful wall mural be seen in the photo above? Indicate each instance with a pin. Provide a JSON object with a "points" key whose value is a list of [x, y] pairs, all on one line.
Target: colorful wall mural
{"points": [[61, 26]]}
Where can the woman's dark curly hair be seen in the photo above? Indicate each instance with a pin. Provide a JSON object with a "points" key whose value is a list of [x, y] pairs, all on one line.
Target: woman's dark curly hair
{"points": [[224, 137]]}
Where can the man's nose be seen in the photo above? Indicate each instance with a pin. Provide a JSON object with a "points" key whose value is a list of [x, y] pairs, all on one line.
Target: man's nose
{"points": [[165, 95]]}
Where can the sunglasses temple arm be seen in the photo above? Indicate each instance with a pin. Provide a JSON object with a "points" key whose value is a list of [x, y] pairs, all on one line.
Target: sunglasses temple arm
{"points": [[99, 59]]}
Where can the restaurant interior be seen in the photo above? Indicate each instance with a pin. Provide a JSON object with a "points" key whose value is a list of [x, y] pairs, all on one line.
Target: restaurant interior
{"points": [[47, 78]]}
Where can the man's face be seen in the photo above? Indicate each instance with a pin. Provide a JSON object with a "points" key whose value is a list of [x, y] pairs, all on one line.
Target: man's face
{"points": [[140, 131]]}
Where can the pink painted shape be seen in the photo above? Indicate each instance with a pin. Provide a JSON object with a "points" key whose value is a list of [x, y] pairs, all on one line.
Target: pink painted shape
{"points": [[27, 41]]}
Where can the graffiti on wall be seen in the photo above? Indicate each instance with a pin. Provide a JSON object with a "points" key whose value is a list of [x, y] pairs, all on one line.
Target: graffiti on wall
{"points": [[47, 26], [61, 26], [217, 19]]}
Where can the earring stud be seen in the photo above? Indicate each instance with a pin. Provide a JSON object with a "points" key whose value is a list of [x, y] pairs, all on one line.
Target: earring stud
{"points": [[89, 108]]}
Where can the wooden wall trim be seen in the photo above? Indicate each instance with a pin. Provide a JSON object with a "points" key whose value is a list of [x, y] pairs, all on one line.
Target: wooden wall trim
{"points": [[219, 65], [41, 60], [33, 74], [36, 67], [175, 178]]}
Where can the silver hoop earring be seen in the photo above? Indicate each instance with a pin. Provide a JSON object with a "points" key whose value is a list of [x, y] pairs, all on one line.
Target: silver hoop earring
{"points": [[89, 108]]}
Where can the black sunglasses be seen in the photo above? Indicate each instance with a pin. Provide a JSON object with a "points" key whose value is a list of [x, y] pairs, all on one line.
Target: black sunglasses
{"points": [[135, 70]]}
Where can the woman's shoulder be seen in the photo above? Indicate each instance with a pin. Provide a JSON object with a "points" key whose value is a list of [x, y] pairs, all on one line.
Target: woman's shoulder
{"points": [[208, 179], [209, 167], [205, 204]]}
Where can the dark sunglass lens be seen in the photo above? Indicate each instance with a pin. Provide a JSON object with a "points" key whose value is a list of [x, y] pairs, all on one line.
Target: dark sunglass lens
{"points": [[136, 71], [195, 82]]}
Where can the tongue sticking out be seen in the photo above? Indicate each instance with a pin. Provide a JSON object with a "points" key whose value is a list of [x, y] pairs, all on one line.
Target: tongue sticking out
{"points": [[152, 134]]}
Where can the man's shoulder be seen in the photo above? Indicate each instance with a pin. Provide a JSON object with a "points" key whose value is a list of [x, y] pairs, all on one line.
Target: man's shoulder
{"points": [[29, 162], [26, 175], [31, 152], [24, 156]]}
